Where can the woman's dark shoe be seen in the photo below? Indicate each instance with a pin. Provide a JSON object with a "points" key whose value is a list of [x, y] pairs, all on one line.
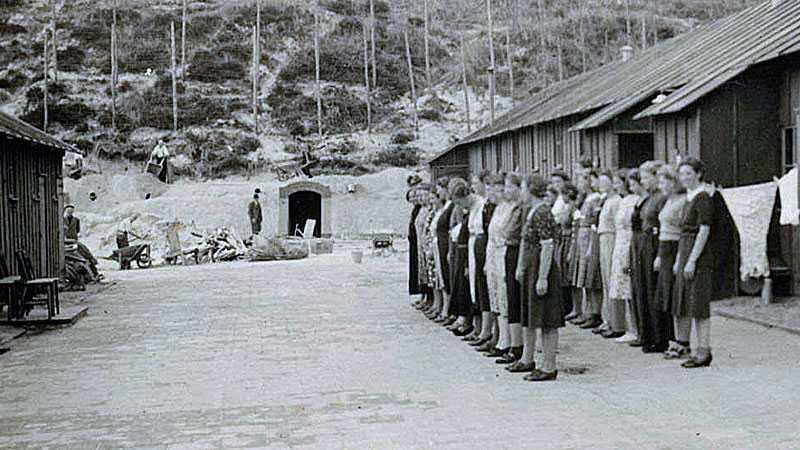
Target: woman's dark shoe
{"points": [[507, 358], [496, 352], [538, 375], [654, 349], [521, 367], [593, 322], [696, 362], [463, 331], [449, 321], [636, 343], [599, 330], [487, 346], [439, 319], [612, 334], [578, 320], [453, 326], [480, 342]]}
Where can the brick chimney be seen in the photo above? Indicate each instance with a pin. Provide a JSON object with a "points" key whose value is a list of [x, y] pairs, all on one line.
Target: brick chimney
{"points": [[627, 51]]}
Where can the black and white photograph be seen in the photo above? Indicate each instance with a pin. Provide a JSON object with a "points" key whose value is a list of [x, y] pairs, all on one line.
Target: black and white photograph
{"points": [[399, 224]]}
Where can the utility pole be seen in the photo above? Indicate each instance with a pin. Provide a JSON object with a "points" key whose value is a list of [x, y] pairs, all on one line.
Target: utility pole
{"points": [[366, 78], [491, 62], [509, 61], [174, 80], [427, 48], [411, 79], [466, 84], [317, 92], [44, 91]]}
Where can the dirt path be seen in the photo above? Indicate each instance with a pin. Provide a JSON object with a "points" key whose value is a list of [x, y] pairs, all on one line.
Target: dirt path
{"points": [[327, 354]]}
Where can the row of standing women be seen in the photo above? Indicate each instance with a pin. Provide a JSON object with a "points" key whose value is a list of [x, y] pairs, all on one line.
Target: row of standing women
{"points": [[510, 258]]}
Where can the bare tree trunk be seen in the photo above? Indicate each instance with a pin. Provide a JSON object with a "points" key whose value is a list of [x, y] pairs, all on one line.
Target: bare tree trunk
{"points": [[628, 22], [560, 58], [366, 79], [510, 62], [542, 38], [183, 39], [427, 48], [256, 60], [53, 19], [466, 83], [491, 61], [113, 75], [655, 22], [317, 92], [582, 33], [372, 43], [174, 79], [644, 32], [411, 79], [44, 90]]}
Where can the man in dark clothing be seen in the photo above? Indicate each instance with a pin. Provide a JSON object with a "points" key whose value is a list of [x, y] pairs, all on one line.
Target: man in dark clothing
{"points": [[72, 229], [72, 225], [254, 211]]}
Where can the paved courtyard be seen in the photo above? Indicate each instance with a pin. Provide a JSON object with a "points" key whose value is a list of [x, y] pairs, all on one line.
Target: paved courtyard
{"points": [[327, 354]]}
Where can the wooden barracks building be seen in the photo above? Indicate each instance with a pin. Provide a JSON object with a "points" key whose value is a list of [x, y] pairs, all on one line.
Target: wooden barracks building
{"points": [[31, 200], [728, 93]]}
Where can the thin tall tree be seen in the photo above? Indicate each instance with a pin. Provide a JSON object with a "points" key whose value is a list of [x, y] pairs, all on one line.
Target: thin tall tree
{"points": [[44, 90], [491, 61], [427, 47], [184, 18], [255, 64], [317, 89], [113, 80], [411, 80], [465, 83], [366, 77], [53, 22], [372, 26], [174, 78], [510, 62]]}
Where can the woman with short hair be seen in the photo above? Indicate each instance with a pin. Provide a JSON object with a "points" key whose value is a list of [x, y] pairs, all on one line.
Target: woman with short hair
{"points": [[694, 267], [620, 288]]}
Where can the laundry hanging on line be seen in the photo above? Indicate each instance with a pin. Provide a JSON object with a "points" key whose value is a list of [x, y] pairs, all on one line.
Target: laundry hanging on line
{"points": [[751, 209], [790, 214]]}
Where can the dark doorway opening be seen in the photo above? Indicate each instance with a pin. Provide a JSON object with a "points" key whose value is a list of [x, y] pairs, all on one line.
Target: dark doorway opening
{"points": [[635, 148], [305, 205]]}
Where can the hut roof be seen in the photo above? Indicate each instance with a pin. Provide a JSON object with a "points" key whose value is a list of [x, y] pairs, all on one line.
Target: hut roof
{"points": [[686, 67], [15, 128]]}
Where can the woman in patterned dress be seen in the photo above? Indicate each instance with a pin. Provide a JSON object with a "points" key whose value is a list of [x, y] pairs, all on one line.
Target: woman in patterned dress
{"points": [[423, 195], [620, 288]]}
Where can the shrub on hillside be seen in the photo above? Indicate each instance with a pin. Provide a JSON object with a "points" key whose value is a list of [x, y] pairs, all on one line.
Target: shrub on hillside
{"points": [[398, 156], [8, 29], [70, 113], [339, 165], [341, 110], [403, 137], [431, 114], [211, 67], [343, 148], [10, 3], [71, 59], [13, 80]]}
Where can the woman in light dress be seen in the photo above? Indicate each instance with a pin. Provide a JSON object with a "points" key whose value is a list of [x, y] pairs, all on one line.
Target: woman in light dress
{"points": [[620, 288]]}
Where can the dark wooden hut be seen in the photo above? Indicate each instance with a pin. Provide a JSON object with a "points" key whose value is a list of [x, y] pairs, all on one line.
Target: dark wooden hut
{"points": [[728, 93], [32, 196]]}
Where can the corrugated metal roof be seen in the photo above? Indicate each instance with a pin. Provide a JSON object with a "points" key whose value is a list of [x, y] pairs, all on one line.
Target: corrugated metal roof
{"points": [[693, 64], [11, 126]]}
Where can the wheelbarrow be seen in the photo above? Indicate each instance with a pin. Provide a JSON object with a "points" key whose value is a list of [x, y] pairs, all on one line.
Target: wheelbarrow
{"points": [[125, 253]]}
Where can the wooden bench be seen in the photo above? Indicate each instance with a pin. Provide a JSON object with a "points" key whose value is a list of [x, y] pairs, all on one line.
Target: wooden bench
{"points": [[46, 288]]}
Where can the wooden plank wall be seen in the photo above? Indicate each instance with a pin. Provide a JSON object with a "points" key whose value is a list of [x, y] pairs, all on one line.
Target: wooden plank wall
{"points": [[22, 164], [676, 134]]}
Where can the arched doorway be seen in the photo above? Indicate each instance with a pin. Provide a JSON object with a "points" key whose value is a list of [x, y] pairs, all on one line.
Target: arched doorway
{"points": [[301, 201], [303, 206]]}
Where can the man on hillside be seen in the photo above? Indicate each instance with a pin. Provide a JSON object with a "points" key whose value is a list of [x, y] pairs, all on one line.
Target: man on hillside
{"points": [[160, 157], [254, 212]]}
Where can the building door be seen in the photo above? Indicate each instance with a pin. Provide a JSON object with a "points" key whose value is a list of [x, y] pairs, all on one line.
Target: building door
{"points": [[305, 205], [635, 148], [44, 249]]}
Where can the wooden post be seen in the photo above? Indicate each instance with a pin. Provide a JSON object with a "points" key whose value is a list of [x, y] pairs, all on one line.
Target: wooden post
{"points": [[509, 61], [55, 41], [256, 59], [796, 229], [428, 83], [44, 90], [466, 83], [372, 39], [491, 62], [174, 80], [411, 79], [317, 92], [183, 39], [366, 78]]}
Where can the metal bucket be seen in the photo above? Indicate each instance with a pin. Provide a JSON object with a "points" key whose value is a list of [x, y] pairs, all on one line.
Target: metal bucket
{"points": [[357, 256]]}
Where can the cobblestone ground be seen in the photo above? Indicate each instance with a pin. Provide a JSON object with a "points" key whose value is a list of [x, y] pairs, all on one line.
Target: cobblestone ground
{"points": [[327, 354]]}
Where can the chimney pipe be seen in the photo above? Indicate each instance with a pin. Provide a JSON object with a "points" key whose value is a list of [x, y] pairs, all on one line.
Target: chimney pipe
{"points": [[627, 53], [776, 3]]}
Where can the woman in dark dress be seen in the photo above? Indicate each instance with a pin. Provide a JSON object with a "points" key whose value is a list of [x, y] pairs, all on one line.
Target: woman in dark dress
{"points": [[694, 268], [461, 303], [538, 272], [484, 202], [414, 287], [655, 326], [564, 242]]}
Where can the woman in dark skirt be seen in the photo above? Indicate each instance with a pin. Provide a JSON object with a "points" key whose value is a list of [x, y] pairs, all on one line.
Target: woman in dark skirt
{"points": [[441, 236], [564, 242], [484, 202], [573, 257], [459, 291], [589, 278], [694, 269], [669, 234], [655, 326], [538, 272], [414, 287]]}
